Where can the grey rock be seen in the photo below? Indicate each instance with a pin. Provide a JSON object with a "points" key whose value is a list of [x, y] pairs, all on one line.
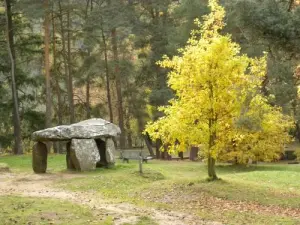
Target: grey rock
{"points": [[109, 151], [70, 165], [101, 144], [84, 154], [87, 129], [39, 157]]}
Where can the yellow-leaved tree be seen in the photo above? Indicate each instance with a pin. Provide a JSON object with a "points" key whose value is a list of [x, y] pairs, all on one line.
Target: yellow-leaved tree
{"points": [[218, 103]]}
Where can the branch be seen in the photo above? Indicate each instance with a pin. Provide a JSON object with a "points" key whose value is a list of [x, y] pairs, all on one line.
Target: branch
{"points": [[291, 4]]}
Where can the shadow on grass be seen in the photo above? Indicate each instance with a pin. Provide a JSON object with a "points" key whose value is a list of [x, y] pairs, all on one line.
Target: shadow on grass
{"points": [[150, 175]]}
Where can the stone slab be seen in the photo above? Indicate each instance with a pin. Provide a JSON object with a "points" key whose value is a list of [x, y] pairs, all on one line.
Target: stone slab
{"points": [[84, 154], [87, 129]]}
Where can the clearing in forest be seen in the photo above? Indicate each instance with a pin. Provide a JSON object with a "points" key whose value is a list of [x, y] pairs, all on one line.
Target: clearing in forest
{"points": [[167, 193]]}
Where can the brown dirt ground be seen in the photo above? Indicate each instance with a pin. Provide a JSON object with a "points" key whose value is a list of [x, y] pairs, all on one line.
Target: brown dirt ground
{"points": [[27, 184]]}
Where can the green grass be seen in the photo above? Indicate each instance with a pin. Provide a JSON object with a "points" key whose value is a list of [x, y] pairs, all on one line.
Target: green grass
{"points": [[182, 186], [4, 167], [254, 219], [23, 163], [23, 210], [144, 220], [188, 179]]}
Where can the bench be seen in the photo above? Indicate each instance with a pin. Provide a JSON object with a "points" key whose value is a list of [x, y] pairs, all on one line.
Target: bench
{"points": [[180, 158], [125, 155]]}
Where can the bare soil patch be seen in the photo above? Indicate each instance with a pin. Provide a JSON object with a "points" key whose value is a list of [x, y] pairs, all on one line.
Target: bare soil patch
{"points": [[28, 184]]}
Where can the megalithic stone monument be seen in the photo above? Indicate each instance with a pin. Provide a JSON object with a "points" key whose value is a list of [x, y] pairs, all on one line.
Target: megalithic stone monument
{"points": [[89, 144]]}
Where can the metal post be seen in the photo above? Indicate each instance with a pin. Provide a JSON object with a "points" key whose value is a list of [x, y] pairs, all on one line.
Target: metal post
{"points": [[141, 157], [141, 163]]}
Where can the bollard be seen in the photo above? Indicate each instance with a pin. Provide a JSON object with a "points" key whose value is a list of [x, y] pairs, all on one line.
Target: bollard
{"points": [[141, 163]]}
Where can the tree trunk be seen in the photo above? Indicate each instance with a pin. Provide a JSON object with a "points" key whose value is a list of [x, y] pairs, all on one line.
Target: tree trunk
{"points": [[11, 50], [64, 52], [56, 145], [297, 132], [111, 117], [165, 154], [211, 161], [88, 105], [70, 80], [211, 168], [57, 87], [47, 65], [158, 146], [128, 128], [148, 144], [291, 5], [212, 137], [180, 155], [118, 87], [264, 85], [88, 81]]}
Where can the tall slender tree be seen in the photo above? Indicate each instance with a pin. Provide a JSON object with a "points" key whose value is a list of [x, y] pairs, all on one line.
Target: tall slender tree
{"points": [[47, 64], [65, 58], [11, 50], [118, 86], [107, 77], [56, 73], [117, 75], [89, 8], [70, 75]]}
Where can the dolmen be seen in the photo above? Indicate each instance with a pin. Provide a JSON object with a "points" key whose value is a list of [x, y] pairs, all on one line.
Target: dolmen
{"points": [[89, 144]]}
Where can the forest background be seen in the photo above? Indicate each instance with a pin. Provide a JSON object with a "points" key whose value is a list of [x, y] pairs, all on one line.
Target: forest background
{"points": [[73, 60]]}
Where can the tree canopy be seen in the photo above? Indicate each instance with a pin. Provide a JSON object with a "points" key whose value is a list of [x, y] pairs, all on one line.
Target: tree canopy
{"points": [[76, 60], [218, 103]]}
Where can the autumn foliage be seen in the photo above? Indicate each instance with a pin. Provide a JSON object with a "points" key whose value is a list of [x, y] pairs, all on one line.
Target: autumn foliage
{"points": [[218, 104]]}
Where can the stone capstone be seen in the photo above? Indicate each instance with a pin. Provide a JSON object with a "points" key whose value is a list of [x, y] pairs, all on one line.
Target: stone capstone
{"points": [[87, 129], [109, 151], [84, 154], [39, 157]]}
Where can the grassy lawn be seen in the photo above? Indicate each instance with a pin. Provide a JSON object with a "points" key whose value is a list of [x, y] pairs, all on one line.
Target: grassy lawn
{"points": [[22, 163], [21, 210], [260, 194]]}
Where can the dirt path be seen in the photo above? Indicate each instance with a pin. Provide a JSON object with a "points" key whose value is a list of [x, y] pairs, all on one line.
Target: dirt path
{"points": [[40, 186]]}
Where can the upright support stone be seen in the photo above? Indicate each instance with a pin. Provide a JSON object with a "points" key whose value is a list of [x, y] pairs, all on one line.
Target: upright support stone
{"points": [[101, 145], [39, 157], [70, 165], [84, 154], [194, 153], [109, 151]]}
